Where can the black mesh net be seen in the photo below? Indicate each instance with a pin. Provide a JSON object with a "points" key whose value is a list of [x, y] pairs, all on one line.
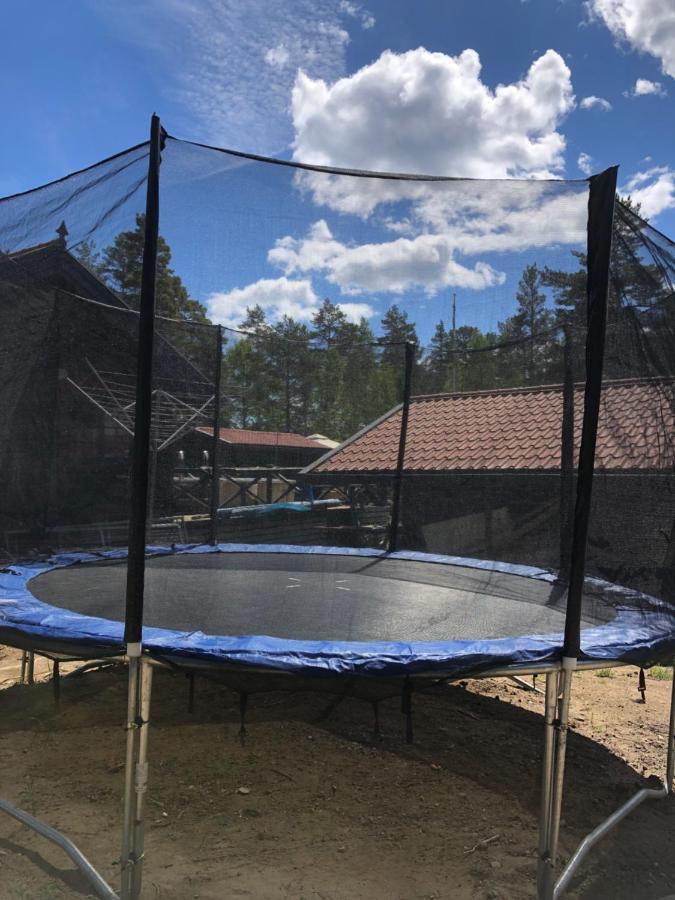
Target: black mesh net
{"points": [[341, 360]]}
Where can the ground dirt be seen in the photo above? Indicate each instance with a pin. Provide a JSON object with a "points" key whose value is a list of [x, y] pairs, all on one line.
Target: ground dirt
{"points": [[328, 810]]}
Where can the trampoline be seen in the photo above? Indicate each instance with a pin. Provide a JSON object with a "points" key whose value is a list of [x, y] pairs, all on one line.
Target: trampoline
{"points": [[326, 610], [540, 436]]}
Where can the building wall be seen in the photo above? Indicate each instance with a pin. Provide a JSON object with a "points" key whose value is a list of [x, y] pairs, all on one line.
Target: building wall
{"points": [[517, 518]]}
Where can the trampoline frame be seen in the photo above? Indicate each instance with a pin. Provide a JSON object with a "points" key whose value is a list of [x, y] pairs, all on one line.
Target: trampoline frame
{"points": [[559, 674], [557, 695]]}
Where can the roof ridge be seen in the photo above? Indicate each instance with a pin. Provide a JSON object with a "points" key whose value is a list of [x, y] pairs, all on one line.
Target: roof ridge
{"points": [[542, 388], [55, 242]]}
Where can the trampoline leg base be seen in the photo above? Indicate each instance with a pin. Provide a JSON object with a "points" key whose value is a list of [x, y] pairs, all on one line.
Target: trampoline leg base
{"points": [[598, 833], [548, 888], [98, 883], [136, 776]]}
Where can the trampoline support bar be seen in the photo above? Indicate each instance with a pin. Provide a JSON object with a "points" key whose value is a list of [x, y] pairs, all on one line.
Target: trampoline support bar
{"points": [[592, 839], [557, 700], [98, 883]]}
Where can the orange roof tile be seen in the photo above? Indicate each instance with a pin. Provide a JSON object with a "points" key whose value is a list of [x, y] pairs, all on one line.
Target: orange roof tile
{"points": [[263, 438], [516, 429]]}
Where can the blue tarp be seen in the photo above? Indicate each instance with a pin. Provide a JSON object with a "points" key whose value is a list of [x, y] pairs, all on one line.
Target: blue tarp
{"points": [[641, 632]]}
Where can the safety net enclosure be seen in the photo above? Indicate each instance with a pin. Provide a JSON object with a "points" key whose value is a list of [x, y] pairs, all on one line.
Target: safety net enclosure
{"points": [[288, 425], [392, 368]]}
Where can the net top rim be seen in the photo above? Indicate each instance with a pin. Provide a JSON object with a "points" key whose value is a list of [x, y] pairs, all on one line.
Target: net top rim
{"points": [[294, 164], [75, 172], [368, 173]]}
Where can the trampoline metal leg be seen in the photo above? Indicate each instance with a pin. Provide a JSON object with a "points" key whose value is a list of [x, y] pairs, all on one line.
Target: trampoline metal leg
{"points": [[670, 758], [552, 807], [136, 773], [613, 820], [141, 780], [126, 859], [550, 707]]}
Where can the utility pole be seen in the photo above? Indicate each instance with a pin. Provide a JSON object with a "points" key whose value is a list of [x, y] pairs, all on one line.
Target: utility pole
{"points": [[454, 342]]}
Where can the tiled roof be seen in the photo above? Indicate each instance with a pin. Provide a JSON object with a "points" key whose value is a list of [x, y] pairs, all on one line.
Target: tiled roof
{"points": [[249, 438], [517, 429]]}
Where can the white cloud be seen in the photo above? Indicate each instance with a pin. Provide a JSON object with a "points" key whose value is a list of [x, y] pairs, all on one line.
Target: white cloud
{"points": [[647, 25], [593, 102], [278, 297], [585, 163], [357, 311], [644, 88], [422, 263], [424, 112], [277, 56], [356, 11], [238, 61], [653, 189]]}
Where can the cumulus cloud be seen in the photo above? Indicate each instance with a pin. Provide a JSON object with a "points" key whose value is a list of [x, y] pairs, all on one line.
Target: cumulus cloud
{"points": [[593, 102], [644, 88], [585, 163], [646, 25], [278, 297], [653, 189], [425, 262], [424, 112]]}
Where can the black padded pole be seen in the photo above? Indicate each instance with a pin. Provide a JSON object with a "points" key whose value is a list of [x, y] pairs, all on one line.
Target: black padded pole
{"points": [[398, 478], [600, 219], [215, 446], [140, 454], [566, 461]]}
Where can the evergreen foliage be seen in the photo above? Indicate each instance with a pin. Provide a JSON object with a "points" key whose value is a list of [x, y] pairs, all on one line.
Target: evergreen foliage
{"points": [[334, 376]]}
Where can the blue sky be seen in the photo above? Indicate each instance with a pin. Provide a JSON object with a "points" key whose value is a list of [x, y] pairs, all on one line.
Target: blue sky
{"points": [[487, 88]]}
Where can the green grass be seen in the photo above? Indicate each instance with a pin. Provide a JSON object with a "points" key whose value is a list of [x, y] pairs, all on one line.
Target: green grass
{"points": [[604, 673], [661, 673]]}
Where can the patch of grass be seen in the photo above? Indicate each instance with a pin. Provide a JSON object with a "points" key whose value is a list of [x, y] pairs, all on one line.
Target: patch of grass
{"points": [[604, 673], [661, 673]]}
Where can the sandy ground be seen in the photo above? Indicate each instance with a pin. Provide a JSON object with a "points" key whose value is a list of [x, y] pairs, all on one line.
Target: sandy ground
{"points": [[328, 811]]}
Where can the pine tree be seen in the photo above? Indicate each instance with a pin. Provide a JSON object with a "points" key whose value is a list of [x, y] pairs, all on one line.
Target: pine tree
{"points": [[437, 361], [531, 355], [396, 331], [121, 265]]}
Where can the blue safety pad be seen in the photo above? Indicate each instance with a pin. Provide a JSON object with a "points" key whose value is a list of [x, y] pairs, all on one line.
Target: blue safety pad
{"points": [[642, 631]]}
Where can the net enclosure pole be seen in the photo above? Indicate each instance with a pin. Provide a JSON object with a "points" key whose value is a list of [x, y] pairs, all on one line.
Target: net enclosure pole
{"points": [[215, 447], [600, 220], [140, 454], [602, 191], [398, 478], [134, 783]]}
